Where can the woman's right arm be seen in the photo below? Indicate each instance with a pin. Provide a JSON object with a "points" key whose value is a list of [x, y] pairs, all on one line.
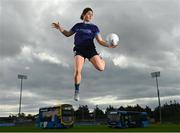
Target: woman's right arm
{"points": [[62, 30]]}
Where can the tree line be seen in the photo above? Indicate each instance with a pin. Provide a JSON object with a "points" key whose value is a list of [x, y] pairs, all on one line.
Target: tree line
{"points": [[170, 112]]}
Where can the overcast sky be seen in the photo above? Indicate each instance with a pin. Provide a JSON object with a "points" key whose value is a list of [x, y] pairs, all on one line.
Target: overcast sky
{"points": [[149, 32]]}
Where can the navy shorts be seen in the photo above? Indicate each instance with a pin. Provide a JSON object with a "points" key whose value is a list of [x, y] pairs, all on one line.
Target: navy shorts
{"points": [[86, 53]]}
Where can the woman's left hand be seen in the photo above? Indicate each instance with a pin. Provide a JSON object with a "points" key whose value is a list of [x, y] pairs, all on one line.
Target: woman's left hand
{"points": [[112, 46]]}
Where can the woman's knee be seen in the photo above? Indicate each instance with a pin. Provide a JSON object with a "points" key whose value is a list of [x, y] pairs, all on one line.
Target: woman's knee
{"points": [[77, 72], [101, 67]]}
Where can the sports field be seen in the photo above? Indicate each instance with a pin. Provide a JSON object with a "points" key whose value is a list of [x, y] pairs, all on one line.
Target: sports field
{"points": [[96, 128]]}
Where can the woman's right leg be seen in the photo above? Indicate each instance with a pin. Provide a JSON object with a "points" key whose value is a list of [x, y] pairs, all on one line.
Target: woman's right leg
{"points": [[78, 65]]}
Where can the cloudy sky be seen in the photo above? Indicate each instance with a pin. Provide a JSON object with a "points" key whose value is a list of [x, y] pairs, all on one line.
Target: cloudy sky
{"points": [[149, 33]]}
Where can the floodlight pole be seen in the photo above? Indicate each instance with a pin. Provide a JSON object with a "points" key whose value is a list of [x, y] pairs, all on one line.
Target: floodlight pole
{"points": [[21, 77], [157, 74]]}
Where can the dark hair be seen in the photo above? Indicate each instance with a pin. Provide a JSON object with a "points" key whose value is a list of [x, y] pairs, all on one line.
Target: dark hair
{"points": [[85, 11]]}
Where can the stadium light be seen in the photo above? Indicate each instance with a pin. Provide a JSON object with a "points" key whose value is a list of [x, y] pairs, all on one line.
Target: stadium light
{"points": [[155, 75], [21, 77]]}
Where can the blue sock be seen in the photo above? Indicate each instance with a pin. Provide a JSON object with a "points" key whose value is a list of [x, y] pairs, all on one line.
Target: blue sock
{"points": [[76, 87]]}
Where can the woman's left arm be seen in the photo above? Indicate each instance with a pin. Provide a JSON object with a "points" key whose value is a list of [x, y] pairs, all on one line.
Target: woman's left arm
{"points": [[102, 42]]}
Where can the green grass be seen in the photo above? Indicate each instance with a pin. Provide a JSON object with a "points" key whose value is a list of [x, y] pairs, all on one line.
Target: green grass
{"points": [[98, 128]]}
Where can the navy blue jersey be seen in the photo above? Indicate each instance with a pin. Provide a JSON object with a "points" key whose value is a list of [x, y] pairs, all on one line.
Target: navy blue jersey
{"points": [[84, 34]]}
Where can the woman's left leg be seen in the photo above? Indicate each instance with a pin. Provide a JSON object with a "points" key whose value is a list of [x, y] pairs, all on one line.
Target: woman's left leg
{"points": [[98, 62]]}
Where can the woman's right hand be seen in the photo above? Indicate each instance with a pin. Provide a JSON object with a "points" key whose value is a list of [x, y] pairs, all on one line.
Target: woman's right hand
{"points": [[57, 26]]}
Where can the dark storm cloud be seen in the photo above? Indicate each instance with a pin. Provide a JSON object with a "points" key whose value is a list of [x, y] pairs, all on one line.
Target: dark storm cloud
{"points": [[149, 38], [16, 19]]}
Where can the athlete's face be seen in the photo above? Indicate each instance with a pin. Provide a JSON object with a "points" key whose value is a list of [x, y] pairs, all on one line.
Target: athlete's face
{"points": [[88, 16]]}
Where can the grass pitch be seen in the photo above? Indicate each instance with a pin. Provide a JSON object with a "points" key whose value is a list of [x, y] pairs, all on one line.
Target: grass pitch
{"points": [[96, 128]]}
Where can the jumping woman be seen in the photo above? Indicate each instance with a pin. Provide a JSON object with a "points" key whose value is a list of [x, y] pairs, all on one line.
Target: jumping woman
{"points": [[84, 47]]}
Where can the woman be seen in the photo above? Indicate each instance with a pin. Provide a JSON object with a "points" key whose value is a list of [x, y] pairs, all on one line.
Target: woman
{"points": [[85, 32]]}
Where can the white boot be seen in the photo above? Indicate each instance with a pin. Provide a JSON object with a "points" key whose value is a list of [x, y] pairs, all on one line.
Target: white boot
{"points": [[76, 96]]}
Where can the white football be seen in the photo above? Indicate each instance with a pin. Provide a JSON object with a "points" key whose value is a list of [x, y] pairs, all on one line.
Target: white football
{"points": [[112, 39]]}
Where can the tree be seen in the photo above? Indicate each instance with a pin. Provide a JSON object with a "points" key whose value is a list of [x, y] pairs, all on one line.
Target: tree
{"points": [[82, 113], [121, 108], [149, 111], [138, 108], [98, 113], [109, 109]]}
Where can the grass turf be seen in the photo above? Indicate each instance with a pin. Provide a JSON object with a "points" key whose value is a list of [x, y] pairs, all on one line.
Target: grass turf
{"points": [[96, 128]]}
